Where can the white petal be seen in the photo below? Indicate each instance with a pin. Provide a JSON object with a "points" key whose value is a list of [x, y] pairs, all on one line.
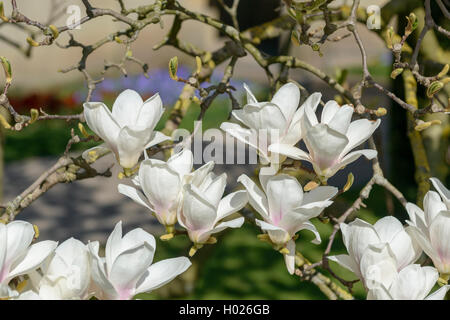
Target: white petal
{"points": [[250, 97], [181, 162], [357, 236], [341, 120], [246, 136], [212, 191], [423, 242], [128, 267], [235, 223], [156, 138], [34, 257], [161, 185], [265, 116], [329, 110], [432, 205], [309, 226], [416, 215], [378, 266], [3, 248], [257, 198], [439, 237], [151, 112], [290, 151], [113, 246], [100, 120], [289, 259], [231, 203], [134, 194], [99, 272], [346, 261], [352, 156], [137, 237], [443, 191], [126, 108], [197, 213], [358, 132], [324, 145], [130, 145], [162, 273], [284, 193], [20, 234], [439, 294], [276, 234], [287, 98], [319, 196]]}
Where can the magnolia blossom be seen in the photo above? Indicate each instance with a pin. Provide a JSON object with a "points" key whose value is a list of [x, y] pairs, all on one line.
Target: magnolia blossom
{"points": [[370, 246], [127, 268], [203, 209], [128, 129], [431, 229], [64, 275], [17, 255], [286, 209], [330, 141], [277, 121], [162, 184], [411, 283]]}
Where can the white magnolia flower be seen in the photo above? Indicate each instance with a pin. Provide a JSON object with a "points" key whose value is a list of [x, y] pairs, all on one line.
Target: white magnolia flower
{"points": [[203, 209], [127, 268], [286, 209], [64, 275], [431, 229], [269, 124], [330, 141], [17, 255], [411, 283], [162, 184], [128, 129], [386, 237]]}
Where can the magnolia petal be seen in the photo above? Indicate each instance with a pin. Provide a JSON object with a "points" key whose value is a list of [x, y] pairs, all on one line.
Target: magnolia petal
{"points": [[309, 226], [276, 234], [358, 132], [128, 267], [101, 121], [352, 156], [417, 217], [113, 246], [423, 242], [136, 238], [130, 145], [162, 273], [357, 236], [289, 259], [34, 257], [346, 261], [182, 162], [235, 223], [439, 238], [294, 133], [256, 197], [99, 272], [19, 235], [264, 116], [150, 112], [319, 196], [212, 191], [432, 205], [197, 213], [231, 203], [342, 119], [250, 97], [126, 108], [3, 248], [378, 266], [413, 283], [284, 193], [160, 184], [443, 191], [134, 194], [439, 294], [325, 145], [290, 151], [329, 111], [246, 136], [287, 98], [156, 138]]}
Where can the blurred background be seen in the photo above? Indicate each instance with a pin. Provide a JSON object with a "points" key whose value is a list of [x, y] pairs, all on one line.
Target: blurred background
{"points": [[239, 266]]}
